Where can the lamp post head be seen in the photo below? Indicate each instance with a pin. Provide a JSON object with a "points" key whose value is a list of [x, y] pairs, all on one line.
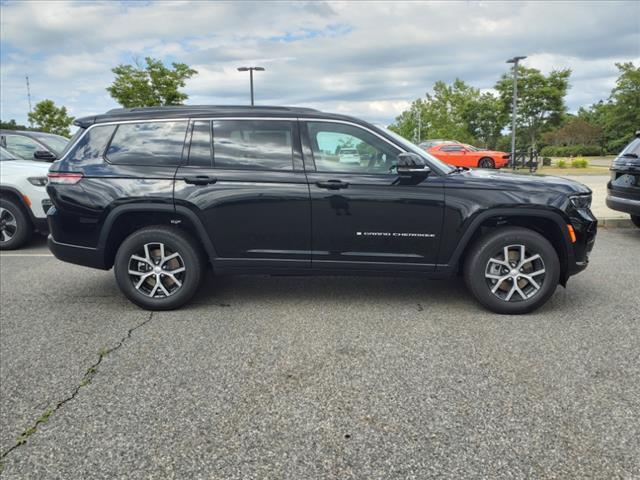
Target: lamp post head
{"points": [[247, 69], [515, 59]]}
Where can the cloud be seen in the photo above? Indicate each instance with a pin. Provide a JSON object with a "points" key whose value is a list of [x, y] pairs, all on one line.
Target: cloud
{"points": [[368, 59]]}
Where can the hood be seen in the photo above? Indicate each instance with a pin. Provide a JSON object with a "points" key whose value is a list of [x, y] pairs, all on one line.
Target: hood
{"points": [[30, 167], [497, 180]]}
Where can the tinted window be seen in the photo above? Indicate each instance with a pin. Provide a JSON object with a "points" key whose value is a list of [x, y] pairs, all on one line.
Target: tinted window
{"points": [[149, 143], [91, 146], [23, 146], [200, 151], [55, 142], [633, 148], [253, 144], [345, 148], [451, 148]]}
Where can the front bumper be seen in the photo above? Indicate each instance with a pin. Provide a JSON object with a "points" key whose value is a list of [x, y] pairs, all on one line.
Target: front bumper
{"points": [[621, 204]]}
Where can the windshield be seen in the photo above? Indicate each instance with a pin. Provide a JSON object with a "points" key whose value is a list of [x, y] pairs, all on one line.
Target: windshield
{"points": [[7, 155], [56, 142], [416, 149], [632, 149]]}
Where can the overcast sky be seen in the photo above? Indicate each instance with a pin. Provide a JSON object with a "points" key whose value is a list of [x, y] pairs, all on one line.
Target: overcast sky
{"points": [[365, 59]]}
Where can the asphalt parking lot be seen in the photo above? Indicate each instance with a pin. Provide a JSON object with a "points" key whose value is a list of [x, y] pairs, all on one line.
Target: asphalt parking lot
{"points": [[308, 378]]}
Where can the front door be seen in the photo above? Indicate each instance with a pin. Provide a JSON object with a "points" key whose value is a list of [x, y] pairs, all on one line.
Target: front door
{"points": [[250, 191], [364, 216]]}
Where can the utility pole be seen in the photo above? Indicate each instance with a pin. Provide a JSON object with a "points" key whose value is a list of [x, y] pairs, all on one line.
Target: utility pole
{"points": [[29, 97], [514, 109], [250, 70]]}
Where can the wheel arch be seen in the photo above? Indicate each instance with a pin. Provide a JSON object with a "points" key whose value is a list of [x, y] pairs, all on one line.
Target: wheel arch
{"points": [[126, 219], [550, 225], [11, 193]]}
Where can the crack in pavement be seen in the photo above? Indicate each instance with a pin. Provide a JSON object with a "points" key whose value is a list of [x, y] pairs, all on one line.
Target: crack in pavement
{"points": [[86, 380]]}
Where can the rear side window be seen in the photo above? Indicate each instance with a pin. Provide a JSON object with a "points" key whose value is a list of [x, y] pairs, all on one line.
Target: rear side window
{"points": [[91, 146], [451, 148], [253, 144], [148, 143]]}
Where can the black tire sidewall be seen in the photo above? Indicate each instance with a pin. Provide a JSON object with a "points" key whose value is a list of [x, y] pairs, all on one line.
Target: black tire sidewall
{"points": [[23, 225], [178, 241], [636, 220], [488, 246], [491, 163]]}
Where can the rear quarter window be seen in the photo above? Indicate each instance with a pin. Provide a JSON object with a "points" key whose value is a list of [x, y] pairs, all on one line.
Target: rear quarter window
{"points": [[90, 148], [148, 143]]}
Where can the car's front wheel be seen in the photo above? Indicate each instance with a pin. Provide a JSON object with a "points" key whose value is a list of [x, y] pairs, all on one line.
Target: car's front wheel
{"points": [[636, 220], [512, 270], [486, 163], [159, 268], [15, 227]]}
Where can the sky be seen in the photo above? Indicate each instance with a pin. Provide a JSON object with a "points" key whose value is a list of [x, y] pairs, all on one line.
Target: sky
{"points": [[367, 59]]}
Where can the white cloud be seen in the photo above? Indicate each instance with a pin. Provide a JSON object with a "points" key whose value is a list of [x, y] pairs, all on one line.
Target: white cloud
{"points": [[364, 58]]}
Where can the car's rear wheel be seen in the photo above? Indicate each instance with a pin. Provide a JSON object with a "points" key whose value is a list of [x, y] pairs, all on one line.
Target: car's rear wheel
{"points": [[159, 268], [512, 270], [636, 220], [15, 227], [486, 162]]}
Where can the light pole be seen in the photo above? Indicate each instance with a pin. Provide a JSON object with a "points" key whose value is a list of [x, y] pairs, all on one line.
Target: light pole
{"points": [[515, 61], [250, 70]]}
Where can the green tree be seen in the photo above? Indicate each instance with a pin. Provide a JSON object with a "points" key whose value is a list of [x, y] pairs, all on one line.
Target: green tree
{"points": [[150, 85], [574, 131], [51, 119], [12, 125], [485, 118], [540, 100]]}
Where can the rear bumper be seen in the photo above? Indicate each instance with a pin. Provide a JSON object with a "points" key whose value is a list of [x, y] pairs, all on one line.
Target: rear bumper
{"points": [[86, 256], [620, 204]]}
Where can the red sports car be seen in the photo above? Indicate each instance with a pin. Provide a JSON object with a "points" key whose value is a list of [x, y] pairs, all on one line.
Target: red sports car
{"points": [[462, 155]]}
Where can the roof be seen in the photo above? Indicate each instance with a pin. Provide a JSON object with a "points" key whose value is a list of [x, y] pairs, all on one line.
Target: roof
{"points": [[203, 111]]}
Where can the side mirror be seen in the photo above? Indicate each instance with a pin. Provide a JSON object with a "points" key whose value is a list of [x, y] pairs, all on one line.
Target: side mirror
{"points": [[412, 165], [44, 155]]}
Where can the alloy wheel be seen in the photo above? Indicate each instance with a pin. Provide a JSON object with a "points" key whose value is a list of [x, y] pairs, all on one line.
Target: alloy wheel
{"points": [[515, 274], [156, 271], [8, 225]]}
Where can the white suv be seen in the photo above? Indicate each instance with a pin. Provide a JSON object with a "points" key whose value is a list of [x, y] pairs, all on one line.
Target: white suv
{"points": [[23, 199]]}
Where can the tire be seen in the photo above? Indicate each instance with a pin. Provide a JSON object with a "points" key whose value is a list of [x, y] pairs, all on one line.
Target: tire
{"points": [[180, 278], [636, 220], [15, 226], [483, 259], [486, 162]]}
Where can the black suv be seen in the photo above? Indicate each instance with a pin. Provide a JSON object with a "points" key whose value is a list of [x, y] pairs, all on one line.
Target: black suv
{"points": [[623, 190], [161, 193]]}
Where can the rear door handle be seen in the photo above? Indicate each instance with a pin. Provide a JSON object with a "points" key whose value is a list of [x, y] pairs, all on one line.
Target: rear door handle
{"points": [[199, 179], [332, 184]]}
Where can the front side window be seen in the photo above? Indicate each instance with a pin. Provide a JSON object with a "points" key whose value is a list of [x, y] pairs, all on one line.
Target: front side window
{"points": [[148, 143], [346, 148], [22, 146], [253, 144], [91, 146]]}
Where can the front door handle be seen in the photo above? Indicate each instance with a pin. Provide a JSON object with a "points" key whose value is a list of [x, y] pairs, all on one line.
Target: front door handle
{"points": [[332, 184], [199, 179]]}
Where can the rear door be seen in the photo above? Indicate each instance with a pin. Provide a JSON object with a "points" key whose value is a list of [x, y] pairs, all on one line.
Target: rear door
{"points": [[245, 180]]}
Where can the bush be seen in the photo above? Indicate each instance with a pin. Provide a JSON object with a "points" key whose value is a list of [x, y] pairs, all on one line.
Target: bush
{"points": [[546, 162], [580, 163], [562, 164], [570, 150]]}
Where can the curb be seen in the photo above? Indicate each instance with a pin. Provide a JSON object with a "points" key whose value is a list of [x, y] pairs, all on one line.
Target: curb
{"points": [[615, 223]]}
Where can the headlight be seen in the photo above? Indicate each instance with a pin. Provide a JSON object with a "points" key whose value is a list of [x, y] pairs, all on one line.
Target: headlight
{"points": [[581, 201], [38, 181]]}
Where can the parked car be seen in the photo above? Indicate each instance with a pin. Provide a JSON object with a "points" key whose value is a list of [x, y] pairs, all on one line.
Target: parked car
{"points": [[159, 193], [623, 190], [32, 145], [462, 155], [23, 199], [349, 155]]}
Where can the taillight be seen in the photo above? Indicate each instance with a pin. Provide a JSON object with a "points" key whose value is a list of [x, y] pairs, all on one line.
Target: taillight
{"points": [[64, 178]]}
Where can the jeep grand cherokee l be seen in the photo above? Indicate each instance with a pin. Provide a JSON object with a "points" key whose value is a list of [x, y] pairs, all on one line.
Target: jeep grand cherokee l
{"points": [[161, 193]]}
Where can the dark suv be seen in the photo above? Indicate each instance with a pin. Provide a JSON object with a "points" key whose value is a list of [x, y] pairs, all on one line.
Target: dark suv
{"points": [[623, 189], [161, 193]]}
